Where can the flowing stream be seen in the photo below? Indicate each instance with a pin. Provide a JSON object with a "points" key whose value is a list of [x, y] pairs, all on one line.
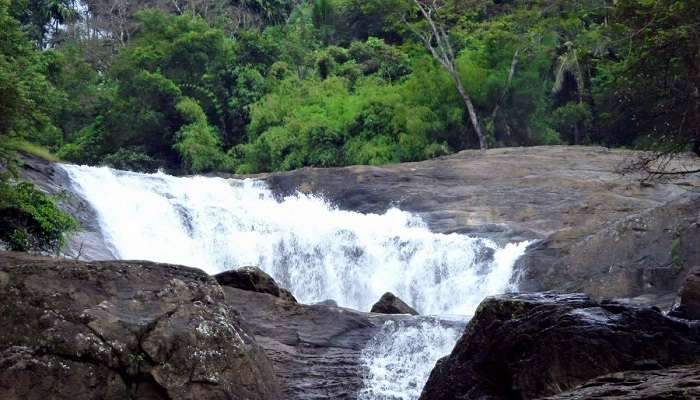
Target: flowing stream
{"points": [[313, 249]]}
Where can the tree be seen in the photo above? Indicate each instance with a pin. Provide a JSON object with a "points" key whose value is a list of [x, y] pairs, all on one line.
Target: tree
{"points": [[437, 40], [29, 219], [27, 97], [568, 65], [198, 143], [649, 92]]}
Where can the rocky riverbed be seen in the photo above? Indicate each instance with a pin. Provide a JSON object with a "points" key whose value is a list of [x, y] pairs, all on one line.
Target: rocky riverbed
{"points": [[118, 329], [132, 329]]}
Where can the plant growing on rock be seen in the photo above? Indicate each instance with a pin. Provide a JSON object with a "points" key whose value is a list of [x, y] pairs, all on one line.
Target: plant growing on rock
{"points": [[30, 219]]}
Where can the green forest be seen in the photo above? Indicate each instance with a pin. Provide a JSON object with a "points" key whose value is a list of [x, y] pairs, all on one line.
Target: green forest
{"points": [[246, 86]]}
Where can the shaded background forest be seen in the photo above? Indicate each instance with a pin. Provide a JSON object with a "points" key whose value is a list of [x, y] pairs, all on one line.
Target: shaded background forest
{"points": [[248, 86]]}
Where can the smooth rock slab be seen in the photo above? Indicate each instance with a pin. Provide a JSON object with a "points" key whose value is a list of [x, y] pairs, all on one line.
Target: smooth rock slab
{"points": [[316, 350]]}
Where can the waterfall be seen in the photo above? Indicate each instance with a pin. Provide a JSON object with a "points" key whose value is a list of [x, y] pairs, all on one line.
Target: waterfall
{"points": [[312, 248], [399, 359]]}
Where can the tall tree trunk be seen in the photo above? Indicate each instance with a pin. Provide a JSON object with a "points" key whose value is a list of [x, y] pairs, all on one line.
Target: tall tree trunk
{"points": [[437, 41], [470, 110], [509, 81]]}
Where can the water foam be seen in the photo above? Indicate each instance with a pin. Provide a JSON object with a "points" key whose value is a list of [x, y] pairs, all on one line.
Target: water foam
{"points": [[309, 246], [399, 359]]}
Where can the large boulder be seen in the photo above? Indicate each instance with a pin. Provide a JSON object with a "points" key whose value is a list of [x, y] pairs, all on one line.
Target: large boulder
{"points": [[255, 280], [534, 345], [390, 304], [116, 330], [688, 303]]}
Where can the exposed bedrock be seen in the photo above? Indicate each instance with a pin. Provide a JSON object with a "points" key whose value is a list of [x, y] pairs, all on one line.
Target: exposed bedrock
{"points": [[315, 349], [88, 243], [642, 258], [601, 232], [676, 383], [534, 345]]}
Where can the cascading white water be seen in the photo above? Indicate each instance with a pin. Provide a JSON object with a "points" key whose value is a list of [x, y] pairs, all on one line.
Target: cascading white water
{"points": [[399, 359], [309, 247]]}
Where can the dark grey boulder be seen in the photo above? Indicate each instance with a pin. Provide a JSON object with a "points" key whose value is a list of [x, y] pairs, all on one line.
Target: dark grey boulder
{"points": [[255, 280], [535, 345], [329, 302], [688, 302], [675, 383], [390, 304]]}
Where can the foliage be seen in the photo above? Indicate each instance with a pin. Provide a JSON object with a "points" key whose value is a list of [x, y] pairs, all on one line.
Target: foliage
{"points": [[333, 122], [197, 142], [26, 95], [31, 148], [649, 89], [30, 220], [259, 85]]}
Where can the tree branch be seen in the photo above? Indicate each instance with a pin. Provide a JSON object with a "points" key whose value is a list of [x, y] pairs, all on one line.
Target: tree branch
{"points": [[509, 81]]}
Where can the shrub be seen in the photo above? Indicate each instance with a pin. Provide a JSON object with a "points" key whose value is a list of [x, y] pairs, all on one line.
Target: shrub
{"points": [[197, 143], [131, 160], [30, 219]]}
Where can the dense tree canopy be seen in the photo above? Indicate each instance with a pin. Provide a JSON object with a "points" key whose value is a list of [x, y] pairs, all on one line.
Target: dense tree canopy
{"points": [[250, 86]]}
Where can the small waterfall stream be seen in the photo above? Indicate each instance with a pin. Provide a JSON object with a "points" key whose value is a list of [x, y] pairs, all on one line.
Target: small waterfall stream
{"points": [[313, 249]]}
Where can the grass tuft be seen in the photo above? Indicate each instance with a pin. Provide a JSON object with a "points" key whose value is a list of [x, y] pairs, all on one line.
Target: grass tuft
{"points": [[33, 149]]}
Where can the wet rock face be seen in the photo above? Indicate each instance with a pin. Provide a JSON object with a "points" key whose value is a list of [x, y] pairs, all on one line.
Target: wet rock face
{"points": [[572, 198], [390, 304], [506, 193], [315, 349], [666, 384], [117, 330], [535, 345], [255, 280]]}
